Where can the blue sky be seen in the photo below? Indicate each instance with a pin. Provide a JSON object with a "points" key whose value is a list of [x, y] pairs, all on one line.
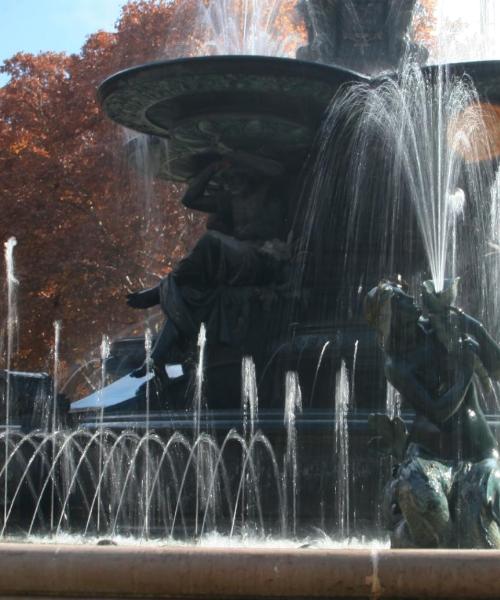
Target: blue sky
{"points": [[57, 25], [62, 25]]}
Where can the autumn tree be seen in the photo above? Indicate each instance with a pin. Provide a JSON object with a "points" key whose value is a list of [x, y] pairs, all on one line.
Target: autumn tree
{"points": [[69, 196], [88, 225], [424, 23]]}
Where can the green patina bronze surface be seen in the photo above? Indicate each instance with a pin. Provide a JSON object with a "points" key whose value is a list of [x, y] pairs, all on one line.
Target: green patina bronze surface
{"points": [[445, 491], [267, 106], [270, 107]]}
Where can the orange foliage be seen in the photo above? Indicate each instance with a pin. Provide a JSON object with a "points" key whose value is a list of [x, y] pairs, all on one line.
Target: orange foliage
{"points": [[69, 196], [424, 23], [87, 228], [482, 122]]}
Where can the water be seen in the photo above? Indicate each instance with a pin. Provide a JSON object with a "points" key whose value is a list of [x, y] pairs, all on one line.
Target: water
{"points": [[248, 27], [425, 136], [56, 373], [145, 154], [249, 396], [431, 201], [342, 492], [198, 483], [250, 408], [202, 460], [424, 125], [392, 402], [401, 185], [293, 405], [180, 485], [492, 256], [113, 498], [148, 346], [175, 486], [200, 378], [54, 425], [11, 332], [105, 352], [318, 367]]}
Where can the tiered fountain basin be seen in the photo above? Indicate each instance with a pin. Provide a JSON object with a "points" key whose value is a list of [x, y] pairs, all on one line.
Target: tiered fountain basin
{"points": [[266, 106]]}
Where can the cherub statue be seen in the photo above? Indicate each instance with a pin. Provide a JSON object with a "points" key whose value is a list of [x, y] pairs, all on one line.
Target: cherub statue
{"points": [[446, 491]]}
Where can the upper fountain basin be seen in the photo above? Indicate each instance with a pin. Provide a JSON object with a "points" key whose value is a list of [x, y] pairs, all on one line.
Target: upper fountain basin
{"points": [[485, 76], [204, 106]]}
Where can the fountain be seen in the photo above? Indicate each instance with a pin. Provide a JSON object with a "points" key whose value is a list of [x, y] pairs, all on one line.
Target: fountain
{"points": [[253, 426]]}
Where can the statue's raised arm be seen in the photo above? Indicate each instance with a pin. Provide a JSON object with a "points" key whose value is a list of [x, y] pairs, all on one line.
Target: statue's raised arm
{"points": [[198, 196]]}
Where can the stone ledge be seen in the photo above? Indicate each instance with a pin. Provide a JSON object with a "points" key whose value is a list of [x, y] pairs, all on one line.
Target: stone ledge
{"points": [[31, 570]]}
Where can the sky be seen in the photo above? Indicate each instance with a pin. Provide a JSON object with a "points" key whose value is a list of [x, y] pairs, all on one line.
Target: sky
{"points": [[56, 25], [62, 25], [478, 35]]}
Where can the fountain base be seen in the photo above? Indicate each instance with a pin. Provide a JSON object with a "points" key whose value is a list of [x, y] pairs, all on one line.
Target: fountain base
{"points": [[197, 572]]}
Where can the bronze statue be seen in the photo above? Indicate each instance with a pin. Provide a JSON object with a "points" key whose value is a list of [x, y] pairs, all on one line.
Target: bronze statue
{"points": [[446, 490], [244, 246]]}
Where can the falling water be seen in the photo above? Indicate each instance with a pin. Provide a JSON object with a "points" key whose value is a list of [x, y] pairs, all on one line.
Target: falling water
{"points": [[353, 374], [147, 154], [120, 488], [318, 367], [12, 328], [428, 184], [392, 402], [427, 129], [425, 123], [342, 449], [457, 206], [293, 405], [410, 145], [148, 346], [493, 254], [42, 405], [492, 260], [141, 150]]}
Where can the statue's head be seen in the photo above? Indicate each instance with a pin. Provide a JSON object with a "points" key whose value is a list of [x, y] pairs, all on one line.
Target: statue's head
{"points": [[237, 180], [388, 306], [436, 302]]}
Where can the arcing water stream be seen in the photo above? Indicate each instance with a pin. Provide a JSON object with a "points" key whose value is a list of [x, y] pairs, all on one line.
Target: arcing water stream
{"points": [[100, 482]]}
